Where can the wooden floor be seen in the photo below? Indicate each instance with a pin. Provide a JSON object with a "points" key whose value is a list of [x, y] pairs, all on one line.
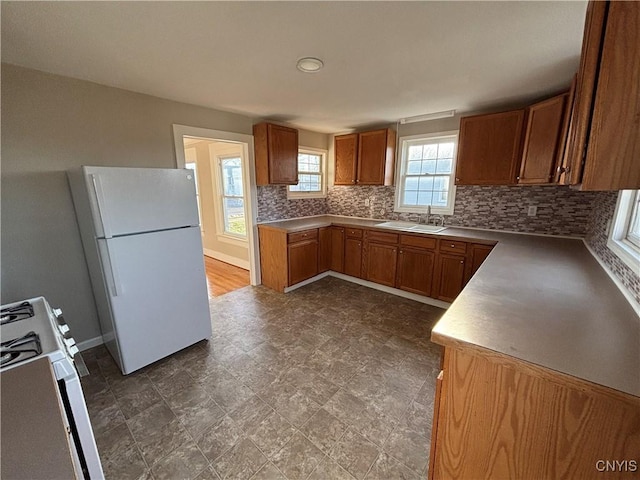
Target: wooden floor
{"points": [[223, 277]]}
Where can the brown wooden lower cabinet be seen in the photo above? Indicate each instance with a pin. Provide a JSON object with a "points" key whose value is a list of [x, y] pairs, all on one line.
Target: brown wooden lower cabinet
{"points": [[498, 417], [382, 261], [450, 276], [415, 270], [337, 249], [478, 253], [302, 260], [324, 249], [353, 257]]}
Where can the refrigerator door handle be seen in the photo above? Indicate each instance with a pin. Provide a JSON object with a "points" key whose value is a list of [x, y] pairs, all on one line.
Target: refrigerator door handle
{"points": [[102, 211], [114, 283]]}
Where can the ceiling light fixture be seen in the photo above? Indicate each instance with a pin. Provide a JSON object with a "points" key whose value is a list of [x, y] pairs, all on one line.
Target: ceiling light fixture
{"points": [[428, 116], [309, 64]]}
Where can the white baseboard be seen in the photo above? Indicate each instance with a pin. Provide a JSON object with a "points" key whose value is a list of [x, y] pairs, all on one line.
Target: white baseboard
{"points": [[223, 257], [630, 298], [375, 286], [87, 344]]}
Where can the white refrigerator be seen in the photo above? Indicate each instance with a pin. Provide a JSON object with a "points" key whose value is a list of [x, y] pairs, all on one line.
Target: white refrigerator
{"points": [[141, 239]]}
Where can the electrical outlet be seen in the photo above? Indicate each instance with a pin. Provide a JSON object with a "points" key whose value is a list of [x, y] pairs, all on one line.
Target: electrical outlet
{"points": [[382, 212], [367, 202], [533, 211]]}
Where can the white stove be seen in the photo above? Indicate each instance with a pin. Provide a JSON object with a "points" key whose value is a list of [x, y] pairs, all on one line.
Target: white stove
{"points": [[31, 329]]}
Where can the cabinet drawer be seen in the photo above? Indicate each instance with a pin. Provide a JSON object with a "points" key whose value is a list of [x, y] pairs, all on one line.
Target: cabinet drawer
{"points": [[420, 242], [382, 237], [303, 235], [453, 246], [353, 232]]}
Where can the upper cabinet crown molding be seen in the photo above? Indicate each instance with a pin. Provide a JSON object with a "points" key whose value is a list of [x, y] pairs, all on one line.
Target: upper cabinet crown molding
{"points": [[365, 158], [276, 154]]}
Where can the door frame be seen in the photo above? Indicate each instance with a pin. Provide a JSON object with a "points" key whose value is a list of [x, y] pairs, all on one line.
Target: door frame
{"points": [[179, 131]]}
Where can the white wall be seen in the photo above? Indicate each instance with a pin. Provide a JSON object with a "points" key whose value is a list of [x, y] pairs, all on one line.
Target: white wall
{"points": [[50, 124]]}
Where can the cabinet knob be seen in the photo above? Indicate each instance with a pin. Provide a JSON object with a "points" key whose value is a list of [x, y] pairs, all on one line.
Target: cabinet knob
{"points": [[453, 246], [461, 261], [400, 252], [518, 177], [457, 179], [561, 169]]}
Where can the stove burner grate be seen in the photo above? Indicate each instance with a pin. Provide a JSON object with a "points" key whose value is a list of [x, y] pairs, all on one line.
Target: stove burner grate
{"points": [[16, 313], [11, 350]]}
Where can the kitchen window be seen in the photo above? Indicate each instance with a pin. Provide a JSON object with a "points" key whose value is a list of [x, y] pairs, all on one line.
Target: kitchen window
{"points": [[426, 173], [311, 175], [624, 234]]}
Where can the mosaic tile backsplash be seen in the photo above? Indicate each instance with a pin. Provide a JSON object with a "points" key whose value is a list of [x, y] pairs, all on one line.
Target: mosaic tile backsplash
{"points": [[561, 211], [273, 204], [603, 209]]}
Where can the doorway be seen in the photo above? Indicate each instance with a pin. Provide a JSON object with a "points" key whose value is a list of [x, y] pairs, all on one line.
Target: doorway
{"points": [[226, 192]]}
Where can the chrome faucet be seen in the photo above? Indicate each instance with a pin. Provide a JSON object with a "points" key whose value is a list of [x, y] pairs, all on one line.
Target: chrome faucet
{"points": [[426, 222], [436, 218]]}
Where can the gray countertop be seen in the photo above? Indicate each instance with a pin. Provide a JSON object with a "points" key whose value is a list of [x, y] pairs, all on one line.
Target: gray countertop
{"points": [[540, 299]]}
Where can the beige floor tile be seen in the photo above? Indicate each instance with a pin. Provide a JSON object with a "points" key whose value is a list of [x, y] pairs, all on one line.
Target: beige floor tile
{"points": [[298, 458], [242, 461]]}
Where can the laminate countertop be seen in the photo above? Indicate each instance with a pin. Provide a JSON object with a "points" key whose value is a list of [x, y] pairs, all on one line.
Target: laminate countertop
{"points": [[539, 299]]}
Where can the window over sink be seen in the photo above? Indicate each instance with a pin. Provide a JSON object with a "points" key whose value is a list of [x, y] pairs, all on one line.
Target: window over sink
{"points": [[426, 173]]}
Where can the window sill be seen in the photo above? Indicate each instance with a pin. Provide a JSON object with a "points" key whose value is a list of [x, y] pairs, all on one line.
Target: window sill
{"points": [[423, 210], [232, 240], [302, 197]]}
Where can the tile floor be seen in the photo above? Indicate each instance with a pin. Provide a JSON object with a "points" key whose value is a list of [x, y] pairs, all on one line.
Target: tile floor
{"points": [[331, 381]]}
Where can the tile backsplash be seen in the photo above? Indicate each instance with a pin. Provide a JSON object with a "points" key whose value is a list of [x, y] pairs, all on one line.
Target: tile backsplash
{"points": [[602, 213], [561, 211], [273, 204]]}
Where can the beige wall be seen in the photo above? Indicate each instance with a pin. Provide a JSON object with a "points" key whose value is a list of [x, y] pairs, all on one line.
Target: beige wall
{"points": [[205, 153], [50, 124]]}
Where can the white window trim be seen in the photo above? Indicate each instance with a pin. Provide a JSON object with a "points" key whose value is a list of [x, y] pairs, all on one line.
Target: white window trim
{"points": [[401, 166], [617, 243], [323, 169], [221, 234]]}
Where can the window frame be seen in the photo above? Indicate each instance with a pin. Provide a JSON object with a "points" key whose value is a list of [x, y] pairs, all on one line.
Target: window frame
{"points": [[295, 195], [401, 168], [196, 176], [618, 239], [222, 230]]}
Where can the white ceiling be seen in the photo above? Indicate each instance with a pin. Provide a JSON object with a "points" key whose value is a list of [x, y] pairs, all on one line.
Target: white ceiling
{"points": [[383, 60]]}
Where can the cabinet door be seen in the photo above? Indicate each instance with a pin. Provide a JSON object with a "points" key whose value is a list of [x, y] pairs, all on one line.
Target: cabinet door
{"points": [[415, 270], [477, 255], [489, 149], [337, 249], [346, 151], [353, 257], [283, 155], [302, 260], [585, 87], [375, 157], [324, 249], [542, 141], [613, 153], [382, 261], [450, 276]]}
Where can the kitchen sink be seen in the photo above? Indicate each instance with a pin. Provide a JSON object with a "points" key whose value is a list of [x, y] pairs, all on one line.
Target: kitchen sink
{"points": [[410, 226], [427, 228]]}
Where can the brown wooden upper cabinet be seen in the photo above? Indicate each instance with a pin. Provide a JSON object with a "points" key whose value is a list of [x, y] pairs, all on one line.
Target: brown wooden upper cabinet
{"points": [[544, 140], [365, 158], [604, 144], [276, 152], [489, 148]]}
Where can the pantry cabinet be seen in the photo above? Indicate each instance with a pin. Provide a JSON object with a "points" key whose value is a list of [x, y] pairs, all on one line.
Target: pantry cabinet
{"points": [[489, 148], [544, 137], [365, 158], [604, 146], [276, 154]]}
